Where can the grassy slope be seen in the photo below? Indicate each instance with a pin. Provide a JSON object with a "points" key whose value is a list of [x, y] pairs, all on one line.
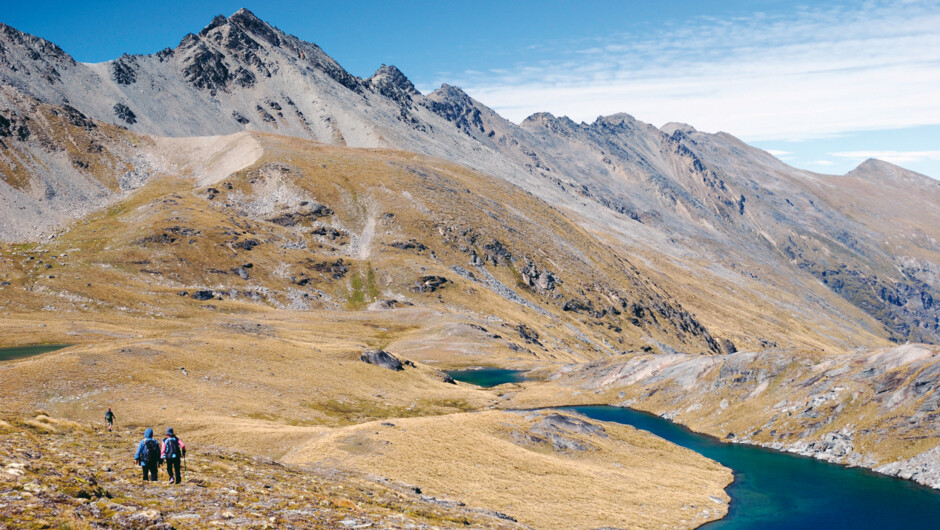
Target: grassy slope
{"points": [[58, 474], [274, 357]]}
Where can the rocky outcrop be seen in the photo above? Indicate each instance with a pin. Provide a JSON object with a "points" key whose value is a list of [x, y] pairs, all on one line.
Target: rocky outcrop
{"points": [[411, 244], [382, 359], [923, 468], [539, 279], [125, 114], [857, 409], [529, 335], [430, 284]]}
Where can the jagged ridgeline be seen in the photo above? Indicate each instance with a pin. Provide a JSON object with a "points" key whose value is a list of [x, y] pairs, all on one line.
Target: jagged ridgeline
{"points": [[716, 244]]}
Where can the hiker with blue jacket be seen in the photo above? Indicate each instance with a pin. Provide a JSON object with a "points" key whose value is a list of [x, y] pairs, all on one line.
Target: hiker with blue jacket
{"points": [[148, 455], [173, 451]]}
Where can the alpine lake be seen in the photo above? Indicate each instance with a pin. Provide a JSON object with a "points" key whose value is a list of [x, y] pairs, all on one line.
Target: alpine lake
{"points": [[772, 489], [21, 352]]}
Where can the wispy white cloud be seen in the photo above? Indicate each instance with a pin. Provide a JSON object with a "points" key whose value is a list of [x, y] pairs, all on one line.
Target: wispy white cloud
{"points": [[822, 163], [811, 73], [895, 157]]}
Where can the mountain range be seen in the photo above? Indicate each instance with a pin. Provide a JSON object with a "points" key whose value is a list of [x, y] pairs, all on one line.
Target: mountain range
{"points": [[705, 203]]}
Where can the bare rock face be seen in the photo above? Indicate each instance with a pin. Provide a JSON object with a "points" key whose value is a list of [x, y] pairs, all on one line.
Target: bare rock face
{"points": [[125, 114], [923, 468], [573, 424], [542, 280], [562, 433], [392, 83], [381, 358], [123, 70]]}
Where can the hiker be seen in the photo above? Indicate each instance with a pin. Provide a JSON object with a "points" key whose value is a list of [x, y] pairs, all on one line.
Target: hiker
{"points": [[109, 417], [173, 450], [148, 455]]}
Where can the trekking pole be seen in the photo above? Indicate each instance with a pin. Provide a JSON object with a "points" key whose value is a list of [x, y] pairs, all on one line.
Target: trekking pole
{"points": [[184, 468]]}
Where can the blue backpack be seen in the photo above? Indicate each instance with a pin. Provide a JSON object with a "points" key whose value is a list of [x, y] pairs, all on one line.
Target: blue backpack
{"points": [[171, 448], [150, 453]]}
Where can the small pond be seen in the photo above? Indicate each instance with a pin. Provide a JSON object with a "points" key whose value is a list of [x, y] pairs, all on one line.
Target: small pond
{"points": [[487, 377], [20, 352]]}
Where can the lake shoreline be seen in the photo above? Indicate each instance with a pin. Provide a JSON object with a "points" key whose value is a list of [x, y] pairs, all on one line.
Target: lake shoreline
{"points": [[738, 488]]}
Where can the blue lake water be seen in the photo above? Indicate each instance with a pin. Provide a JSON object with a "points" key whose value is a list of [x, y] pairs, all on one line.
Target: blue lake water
{"points": [[775, 490], [487, 377], [20, 352]]}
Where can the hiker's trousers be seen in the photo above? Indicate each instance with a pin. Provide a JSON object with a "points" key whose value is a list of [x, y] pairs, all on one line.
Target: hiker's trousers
{"points": [[173, 469], [150, 469]]}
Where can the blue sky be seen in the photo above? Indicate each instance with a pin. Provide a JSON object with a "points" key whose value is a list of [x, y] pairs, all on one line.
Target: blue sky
{"points": [[823, 85]]}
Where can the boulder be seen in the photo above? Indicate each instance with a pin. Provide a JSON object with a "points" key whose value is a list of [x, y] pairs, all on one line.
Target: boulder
{"points": [[728, 347], [379, 305], [381, 358], [203, 295], [429, 284]]}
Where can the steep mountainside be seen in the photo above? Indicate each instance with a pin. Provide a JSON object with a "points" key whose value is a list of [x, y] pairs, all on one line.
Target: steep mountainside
{"points": [[690, 203]]}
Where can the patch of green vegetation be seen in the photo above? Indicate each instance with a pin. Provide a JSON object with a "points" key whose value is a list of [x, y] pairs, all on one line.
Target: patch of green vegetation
{"points": [[24, 247], [451, 403], [372, 289], [264, 416], [362, 290], [517, 276], [116, 210], [351, 412]]}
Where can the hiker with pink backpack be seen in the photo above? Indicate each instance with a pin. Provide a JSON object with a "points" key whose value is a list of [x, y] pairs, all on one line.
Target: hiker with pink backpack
{"points": [[173, 451]]}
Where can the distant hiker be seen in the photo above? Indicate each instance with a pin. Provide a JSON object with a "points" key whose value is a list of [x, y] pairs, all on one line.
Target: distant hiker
{"points": [[173, 451], [109, 417], [148, 455]]}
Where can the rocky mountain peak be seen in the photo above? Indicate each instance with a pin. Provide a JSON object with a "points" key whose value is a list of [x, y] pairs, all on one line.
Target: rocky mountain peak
{"points": [[247, 21], [873, 169], [547, 120], [674, 126], [450, 93], [244, 15], [219, 20], [540, 118], [241, 24], [392, 83], [617, 121], [873, 164], [37, 47], [454, 105]]}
